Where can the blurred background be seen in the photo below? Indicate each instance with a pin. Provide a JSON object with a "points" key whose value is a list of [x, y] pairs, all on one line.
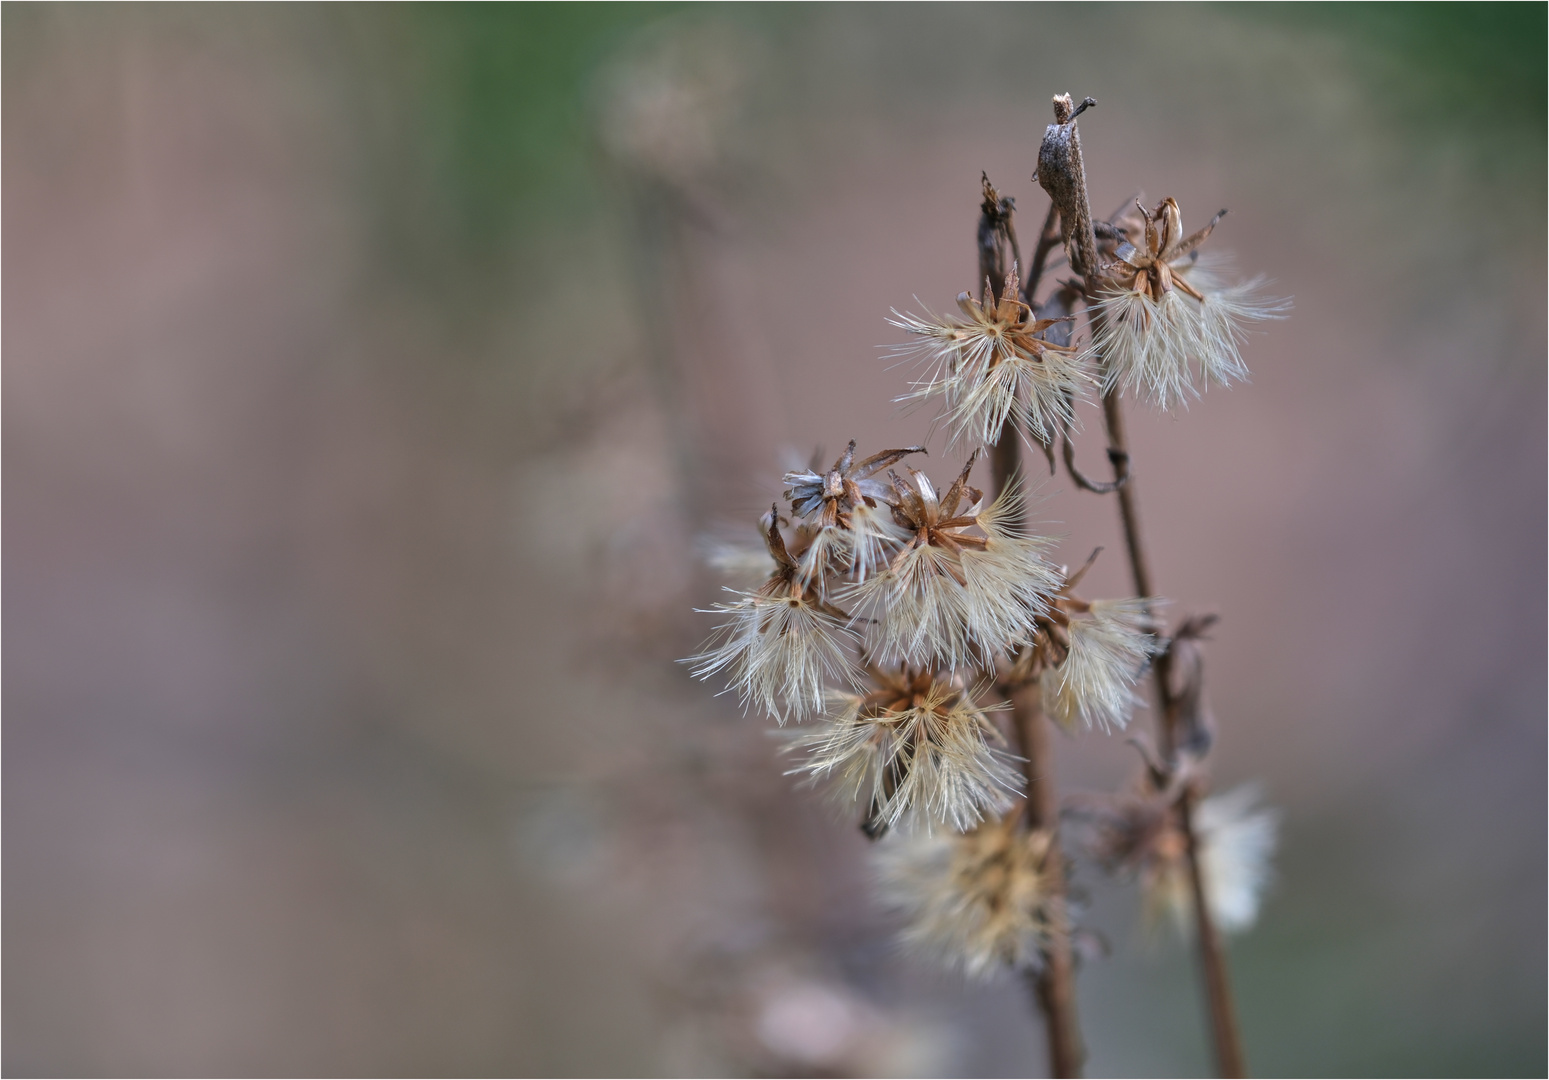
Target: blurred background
{"points": [[373, 376]]}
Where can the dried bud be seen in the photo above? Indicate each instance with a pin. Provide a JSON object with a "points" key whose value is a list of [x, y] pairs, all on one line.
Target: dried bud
{"points": [[1063, 176]]}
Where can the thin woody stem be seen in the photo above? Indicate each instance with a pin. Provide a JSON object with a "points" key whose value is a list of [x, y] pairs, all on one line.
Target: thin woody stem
{"points": [[1054, 985], [1212, 954], [1048, 238]]}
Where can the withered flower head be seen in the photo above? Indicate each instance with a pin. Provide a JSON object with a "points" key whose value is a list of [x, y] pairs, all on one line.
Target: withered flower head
{"points": [[780, 641], [846, 515], [974, 901], [993, 364], [1108, 646], [1165, 326], [1140, 835], [1088, 655], [915, 748], [965, 585]]}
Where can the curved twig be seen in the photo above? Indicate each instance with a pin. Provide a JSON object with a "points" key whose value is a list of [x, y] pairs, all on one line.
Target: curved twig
{"points": [[1118, 458]]}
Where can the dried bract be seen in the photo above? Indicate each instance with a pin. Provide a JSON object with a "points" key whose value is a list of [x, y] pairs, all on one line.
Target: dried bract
{"points": [[994, 364], [916, 748], [976, 901], [850, 530], [1160, 331]]}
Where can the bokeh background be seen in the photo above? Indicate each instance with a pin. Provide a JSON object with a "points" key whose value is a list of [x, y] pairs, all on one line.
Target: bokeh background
{"points": [[373, 377]]}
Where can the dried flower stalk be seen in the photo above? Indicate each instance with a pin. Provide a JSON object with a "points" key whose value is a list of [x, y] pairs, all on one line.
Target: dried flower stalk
{"points": [[1149, 326], [893, 607]]}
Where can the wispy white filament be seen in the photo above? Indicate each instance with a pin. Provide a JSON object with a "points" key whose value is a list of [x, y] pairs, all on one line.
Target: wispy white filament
{"points": [[1167, 350]]}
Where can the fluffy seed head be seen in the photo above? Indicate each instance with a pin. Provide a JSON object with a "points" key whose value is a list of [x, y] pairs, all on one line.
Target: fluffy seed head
{"points": [[1110, 644], [1087, 656], [973, 901], [848, 531], [781, 643], [914, 749], [1162, 330], [964, 586], [1140, 836], [993, 364]]}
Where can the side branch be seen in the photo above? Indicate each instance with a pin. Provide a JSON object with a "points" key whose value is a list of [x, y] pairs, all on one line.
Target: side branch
{"points": [[1119, 459]]}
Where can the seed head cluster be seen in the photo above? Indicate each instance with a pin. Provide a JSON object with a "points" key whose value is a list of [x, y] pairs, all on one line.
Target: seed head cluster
{"points": [[898, 614]]}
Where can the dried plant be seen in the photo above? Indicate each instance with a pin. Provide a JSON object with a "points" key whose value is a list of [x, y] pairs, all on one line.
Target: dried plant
{"points": [[930, 645]]}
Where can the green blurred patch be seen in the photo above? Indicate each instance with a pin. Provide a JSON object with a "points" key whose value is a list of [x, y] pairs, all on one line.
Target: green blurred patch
{"points": [[476, 137], [1479, 65], [506, 88]]}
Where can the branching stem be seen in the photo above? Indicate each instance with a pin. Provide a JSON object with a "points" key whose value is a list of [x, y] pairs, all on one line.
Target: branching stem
{"points": [[1063, 176], [1053, 985]]}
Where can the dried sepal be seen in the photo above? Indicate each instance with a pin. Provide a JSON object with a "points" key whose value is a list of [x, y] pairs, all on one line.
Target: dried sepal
{"points": [[915, 748], [974, 902]]}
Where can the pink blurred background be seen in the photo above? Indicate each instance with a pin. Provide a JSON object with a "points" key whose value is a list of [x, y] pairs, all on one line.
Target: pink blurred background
{"points": [[373, 376]]}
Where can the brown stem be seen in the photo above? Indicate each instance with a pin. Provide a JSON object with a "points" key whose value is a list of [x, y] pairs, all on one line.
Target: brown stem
{"points": [[1047, 239], [1212, 954], [1054, 986]]}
